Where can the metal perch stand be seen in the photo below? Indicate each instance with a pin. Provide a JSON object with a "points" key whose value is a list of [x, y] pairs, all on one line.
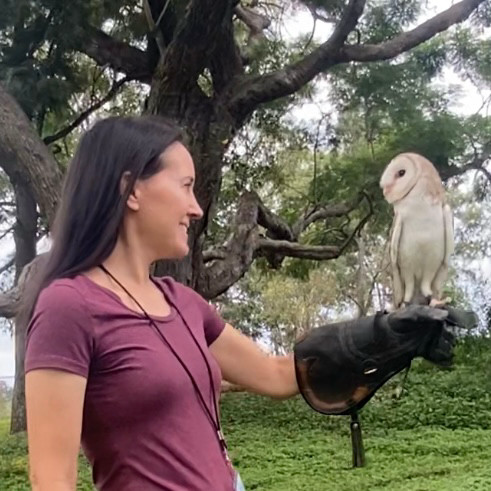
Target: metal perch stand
{"points": [[357, 441]]}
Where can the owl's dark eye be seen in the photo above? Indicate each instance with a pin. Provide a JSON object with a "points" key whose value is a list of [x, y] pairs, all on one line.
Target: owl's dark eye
{"points": [[401, 172]]}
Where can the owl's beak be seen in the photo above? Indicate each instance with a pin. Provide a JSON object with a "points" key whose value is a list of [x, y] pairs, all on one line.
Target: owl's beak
{"points": [[387, 191]]}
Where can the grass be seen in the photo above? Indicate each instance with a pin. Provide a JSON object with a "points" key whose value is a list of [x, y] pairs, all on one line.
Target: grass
{"points": [[436, 438], [277, 457]]}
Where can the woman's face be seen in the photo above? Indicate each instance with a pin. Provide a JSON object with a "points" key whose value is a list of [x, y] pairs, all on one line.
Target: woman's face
{"points": [[163, 205]]}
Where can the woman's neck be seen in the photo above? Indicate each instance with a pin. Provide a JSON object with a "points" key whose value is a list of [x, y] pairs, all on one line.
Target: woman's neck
{"points": [[128, 264]]}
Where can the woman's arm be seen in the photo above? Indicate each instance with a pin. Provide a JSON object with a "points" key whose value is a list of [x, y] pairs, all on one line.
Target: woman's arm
{"points": [[54, 403], [242, 362]]}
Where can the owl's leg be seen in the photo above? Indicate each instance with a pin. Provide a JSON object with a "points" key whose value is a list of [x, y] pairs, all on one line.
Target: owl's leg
{"points": [[408, 289], [426, 291]]}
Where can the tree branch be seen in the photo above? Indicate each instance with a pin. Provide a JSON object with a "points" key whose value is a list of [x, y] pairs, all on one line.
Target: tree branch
{"points": [[255, 22], [6, 232], [154, 25], [82, 117], [331, 211], [301, 251], [107, 51], [275, 225], [188, 54], [229, 263], [25, 158], [9, 303], [291, 78], [220, 275], [404, 42], [11, 300], [10, 204], [477, 163], [225, 59], [255, 91], [7, 265], [486, 173]]}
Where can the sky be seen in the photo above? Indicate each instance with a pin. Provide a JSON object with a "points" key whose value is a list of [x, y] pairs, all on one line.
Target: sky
{"points": [[470, 102]]}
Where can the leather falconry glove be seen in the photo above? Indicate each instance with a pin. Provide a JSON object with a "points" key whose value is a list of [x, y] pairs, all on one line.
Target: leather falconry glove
{"points": [[340, 366]]}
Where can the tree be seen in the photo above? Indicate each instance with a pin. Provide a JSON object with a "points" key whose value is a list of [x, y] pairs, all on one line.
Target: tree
{"points": [[200, 77], [209, 66]]}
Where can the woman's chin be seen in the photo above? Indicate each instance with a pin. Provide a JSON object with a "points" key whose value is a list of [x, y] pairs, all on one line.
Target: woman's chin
{"points": [[177, 251], [180, 252]]}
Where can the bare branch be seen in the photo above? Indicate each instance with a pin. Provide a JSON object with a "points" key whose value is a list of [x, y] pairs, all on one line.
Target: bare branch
{"points": [[194, 42], [331, 211], [11, 300], [25, 158], [404, 42], [6, 232], [477, 163], [323, 18], [256, 24], [154, 25], [226, 61], [82, 117], [220, 275], [254, 21], [486, 173], [255, 91], [275, 225], [230, 262], [301, 251], [290, 79], [107, 51], [7, 265], [348, 22], [9, 303]]}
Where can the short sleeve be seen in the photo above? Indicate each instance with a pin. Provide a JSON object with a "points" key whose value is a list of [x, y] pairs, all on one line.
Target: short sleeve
{"points": [[182, 295], [60, 334], [212, 321]]}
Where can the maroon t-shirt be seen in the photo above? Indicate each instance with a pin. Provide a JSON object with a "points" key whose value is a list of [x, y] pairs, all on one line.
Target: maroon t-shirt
{"points": [[144, 427]]}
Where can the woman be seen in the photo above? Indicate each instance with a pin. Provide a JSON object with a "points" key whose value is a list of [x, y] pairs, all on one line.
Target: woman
{"points": [[125, 364]]}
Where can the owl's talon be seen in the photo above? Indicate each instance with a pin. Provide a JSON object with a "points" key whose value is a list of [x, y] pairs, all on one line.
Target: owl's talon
{"points": [[438, 304]]}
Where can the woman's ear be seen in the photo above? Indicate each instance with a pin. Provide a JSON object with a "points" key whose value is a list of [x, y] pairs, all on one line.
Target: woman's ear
{"points": [[132, 202]]}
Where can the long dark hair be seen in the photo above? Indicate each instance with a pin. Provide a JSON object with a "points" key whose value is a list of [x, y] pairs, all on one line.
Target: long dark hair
{"points": [[90, 213]]}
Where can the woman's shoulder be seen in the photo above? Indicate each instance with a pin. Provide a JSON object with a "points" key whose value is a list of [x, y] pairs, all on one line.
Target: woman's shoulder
{"points": [[174, 288], [63, 293]]}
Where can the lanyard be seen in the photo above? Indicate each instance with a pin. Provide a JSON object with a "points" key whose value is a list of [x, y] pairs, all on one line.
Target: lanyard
{"points": [[215, 421]]}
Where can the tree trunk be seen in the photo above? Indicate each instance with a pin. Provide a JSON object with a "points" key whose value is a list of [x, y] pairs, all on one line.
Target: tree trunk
{"points": [[25, 158], [207, 132], [25, 234], [35, 178], [18, 420]]}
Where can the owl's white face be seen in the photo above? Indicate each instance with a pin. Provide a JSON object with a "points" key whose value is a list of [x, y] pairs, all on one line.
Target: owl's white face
{"points": [[399, 178]]}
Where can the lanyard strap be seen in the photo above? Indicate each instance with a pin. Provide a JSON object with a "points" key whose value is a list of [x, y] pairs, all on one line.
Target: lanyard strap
{"points": [[215, 421]]}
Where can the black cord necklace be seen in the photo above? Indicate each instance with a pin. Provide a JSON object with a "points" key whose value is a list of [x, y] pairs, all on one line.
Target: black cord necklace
{"points": [[215, 421]]}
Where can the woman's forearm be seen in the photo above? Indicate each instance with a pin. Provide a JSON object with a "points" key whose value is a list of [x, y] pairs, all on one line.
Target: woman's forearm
{"points": [[285, 381]]}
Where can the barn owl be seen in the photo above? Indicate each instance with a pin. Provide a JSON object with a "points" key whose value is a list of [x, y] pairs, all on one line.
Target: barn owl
{"points": [[421, 240]]}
